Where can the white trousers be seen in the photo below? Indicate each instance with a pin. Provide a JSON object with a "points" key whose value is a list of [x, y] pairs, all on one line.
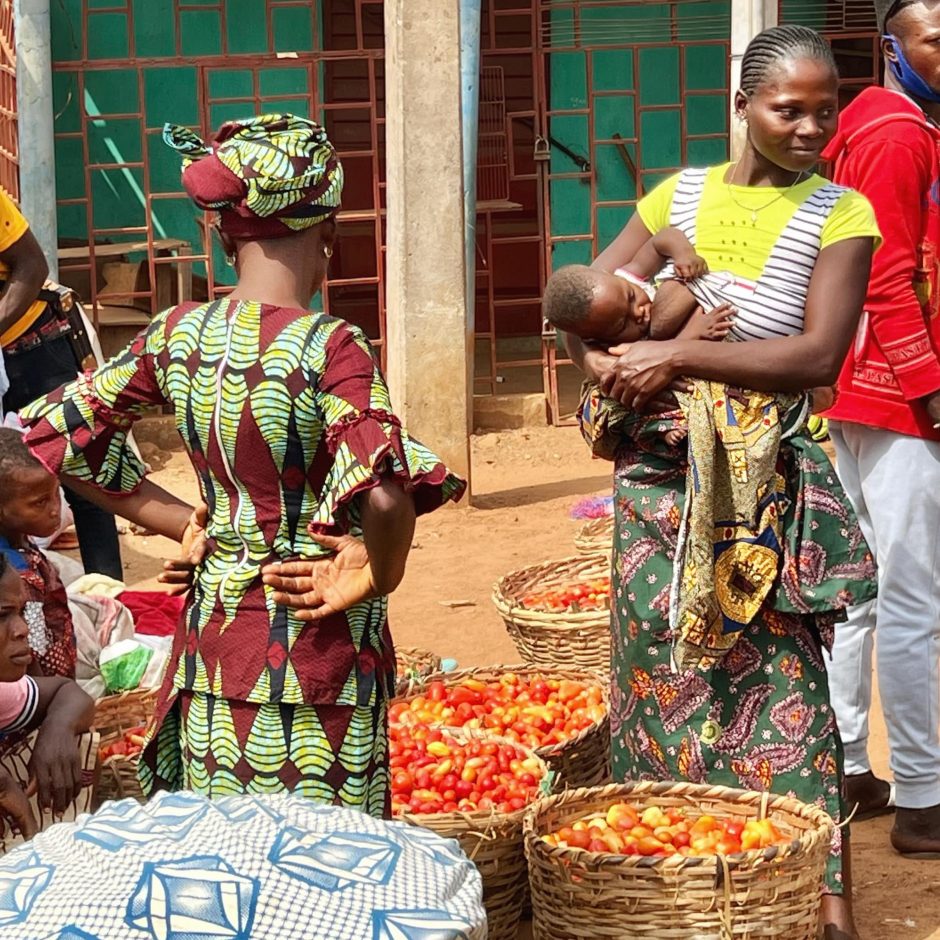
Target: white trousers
{"points": [[893, 481]]}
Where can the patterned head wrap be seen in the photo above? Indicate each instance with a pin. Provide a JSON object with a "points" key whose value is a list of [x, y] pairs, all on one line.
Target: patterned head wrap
{"points": [[268, 176]]}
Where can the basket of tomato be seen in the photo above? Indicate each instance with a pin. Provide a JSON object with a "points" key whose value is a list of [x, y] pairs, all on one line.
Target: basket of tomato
{"points": [[414, 666], [476, 790], [558, 612], [675, 860], [560, 714], [122, 722], [595, 536]]}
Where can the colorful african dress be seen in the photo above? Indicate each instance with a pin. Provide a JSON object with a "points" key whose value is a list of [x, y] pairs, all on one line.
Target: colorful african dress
{"points": [[736, 695], [286, 419]]}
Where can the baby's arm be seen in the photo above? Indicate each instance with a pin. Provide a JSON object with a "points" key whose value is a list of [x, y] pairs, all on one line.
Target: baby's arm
{"points": [[671, 243], [714, 325], [647, 262]]}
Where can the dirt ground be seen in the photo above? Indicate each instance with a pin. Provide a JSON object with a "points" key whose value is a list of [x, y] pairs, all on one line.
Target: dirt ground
{"points": [[524, 483]]}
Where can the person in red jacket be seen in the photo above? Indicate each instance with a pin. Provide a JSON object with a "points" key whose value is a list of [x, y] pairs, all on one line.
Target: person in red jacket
{"points": [[885, 426]]}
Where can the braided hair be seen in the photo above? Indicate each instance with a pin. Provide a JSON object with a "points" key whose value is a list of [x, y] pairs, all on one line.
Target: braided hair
{"points": [[769, 49]]}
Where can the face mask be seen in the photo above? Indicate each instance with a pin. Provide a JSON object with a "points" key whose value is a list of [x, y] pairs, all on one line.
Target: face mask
{"points": [[909, 80]]}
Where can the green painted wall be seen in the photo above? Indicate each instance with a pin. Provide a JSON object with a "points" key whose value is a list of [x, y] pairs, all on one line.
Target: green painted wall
{"points": [[622, 93], [161, 91]]}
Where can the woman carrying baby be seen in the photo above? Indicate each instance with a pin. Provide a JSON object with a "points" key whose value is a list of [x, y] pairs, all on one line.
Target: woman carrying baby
{"points": [[717, 673]]}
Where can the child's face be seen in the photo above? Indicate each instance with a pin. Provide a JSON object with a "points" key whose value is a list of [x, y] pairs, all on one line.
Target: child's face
{"points": [[620, 312], [31, 504], [15, 654]]}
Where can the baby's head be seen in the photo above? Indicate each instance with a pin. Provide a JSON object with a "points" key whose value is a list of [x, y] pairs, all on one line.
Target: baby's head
{"points": [[29, 494], [15, 654], [596, 305]]}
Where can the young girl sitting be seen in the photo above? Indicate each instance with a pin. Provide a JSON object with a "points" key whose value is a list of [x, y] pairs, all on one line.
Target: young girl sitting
{"points": [[61, 761], [30, 506]]}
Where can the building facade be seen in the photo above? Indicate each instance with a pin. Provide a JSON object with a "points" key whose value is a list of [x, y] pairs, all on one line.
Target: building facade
{"points": [[584, 106]]}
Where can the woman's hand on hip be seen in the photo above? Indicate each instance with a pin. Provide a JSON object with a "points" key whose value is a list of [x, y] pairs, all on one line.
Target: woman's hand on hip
{"points": [[179, 573], [641, 373], [319, 587]]}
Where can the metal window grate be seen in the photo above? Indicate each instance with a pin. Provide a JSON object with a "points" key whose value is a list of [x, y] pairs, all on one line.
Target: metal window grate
{"points": [[830, 16], [493, 140]]}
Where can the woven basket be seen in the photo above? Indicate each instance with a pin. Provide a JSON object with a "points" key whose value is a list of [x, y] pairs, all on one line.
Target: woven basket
{"points": [[596, 536], [115, 714], [414, 666], [773, 892], [493, 842], [556, 640], [581, 761]]}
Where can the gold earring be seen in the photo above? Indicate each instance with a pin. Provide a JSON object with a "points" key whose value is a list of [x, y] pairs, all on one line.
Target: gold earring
{"points": [[327, 252]]}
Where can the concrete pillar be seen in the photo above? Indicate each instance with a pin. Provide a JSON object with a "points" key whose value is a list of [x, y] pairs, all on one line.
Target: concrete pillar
{"points": [[748, 18], [36, 141], [429, 350], [470, 13]]}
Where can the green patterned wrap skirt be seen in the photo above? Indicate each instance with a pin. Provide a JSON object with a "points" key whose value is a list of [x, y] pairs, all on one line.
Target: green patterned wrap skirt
{"points": [[761, 718]]}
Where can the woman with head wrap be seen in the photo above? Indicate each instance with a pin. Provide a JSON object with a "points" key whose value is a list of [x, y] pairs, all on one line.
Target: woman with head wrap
{"points": [[287, 422]]}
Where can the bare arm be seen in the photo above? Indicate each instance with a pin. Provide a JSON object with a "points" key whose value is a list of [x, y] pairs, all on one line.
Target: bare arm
{"points": [[388, 526], [150, 506], [649, 259], [624, 247], [358, 569], [64, 712], [794, 363], [28, 272], [593, 361]]}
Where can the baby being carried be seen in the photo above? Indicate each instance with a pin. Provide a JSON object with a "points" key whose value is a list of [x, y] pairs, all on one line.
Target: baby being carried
{"points": [[614, 310]]}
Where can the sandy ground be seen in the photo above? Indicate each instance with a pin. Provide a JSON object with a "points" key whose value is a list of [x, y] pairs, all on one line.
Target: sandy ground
{"points": [[524, 483]]}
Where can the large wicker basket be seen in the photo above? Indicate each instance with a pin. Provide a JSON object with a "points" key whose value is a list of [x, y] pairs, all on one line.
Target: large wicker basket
{"points": [[493, 842], [115, 714], [556, 640], [414, 666], [596, 536], [773, 892], [581, 761]]}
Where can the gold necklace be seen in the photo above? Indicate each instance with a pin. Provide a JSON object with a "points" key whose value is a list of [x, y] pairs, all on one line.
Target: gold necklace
{"points": [[767, 205]]}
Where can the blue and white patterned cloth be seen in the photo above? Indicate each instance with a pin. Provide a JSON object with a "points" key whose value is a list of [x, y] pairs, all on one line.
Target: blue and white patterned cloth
{"points": [[241, 868]]}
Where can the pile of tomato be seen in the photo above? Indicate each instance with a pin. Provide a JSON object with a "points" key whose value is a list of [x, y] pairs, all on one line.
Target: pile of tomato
{"points": [[432, 772], [128, 746], [572, 598], [625, 830], [534, 710]]}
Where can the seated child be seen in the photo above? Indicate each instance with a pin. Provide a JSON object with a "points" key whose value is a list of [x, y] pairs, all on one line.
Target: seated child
{"points": [[616, 309], [29, 506], [60, 765]]}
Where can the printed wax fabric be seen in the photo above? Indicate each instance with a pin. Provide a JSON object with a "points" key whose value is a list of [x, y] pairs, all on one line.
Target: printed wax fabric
{"points": [[287, 420], [241, 868]]}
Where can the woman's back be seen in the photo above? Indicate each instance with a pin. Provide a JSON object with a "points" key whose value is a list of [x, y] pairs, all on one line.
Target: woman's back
{"points": [[244, 383]]}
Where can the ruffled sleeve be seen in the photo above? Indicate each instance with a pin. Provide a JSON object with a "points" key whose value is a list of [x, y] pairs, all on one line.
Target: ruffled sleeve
{"points": [[82, 428], [366, 440]]}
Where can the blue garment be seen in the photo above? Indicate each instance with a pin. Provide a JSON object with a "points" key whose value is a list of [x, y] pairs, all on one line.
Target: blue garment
{"points": [[910, 81], [13, 555]]}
